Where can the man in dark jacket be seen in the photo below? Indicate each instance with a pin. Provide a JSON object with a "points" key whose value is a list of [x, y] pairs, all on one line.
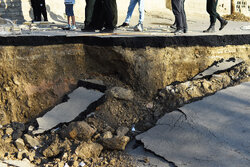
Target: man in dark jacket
{"points": [[211, 9], [180, 16], [105, 16]]}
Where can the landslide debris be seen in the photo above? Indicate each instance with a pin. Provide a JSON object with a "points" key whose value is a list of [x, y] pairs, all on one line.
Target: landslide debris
{"points": [[99, 138]]}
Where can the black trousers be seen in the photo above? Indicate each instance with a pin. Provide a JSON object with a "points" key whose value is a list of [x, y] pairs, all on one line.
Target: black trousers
{"points": [[211, 9], [42, 11], [179, 13], [35, 7], [105, 14], [89, 9]]}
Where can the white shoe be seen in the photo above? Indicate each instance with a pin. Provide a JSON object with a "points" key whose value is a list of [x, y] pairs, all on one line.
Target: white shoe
{"points": [[138, 27], [73, 27], [67, 27]]}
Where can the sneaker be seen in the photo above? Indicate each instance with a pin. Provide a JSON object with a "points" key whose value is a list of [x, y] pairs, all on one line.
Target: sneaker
{"points": [[123, 25], [73, 27], [67, 27], [138, 27]]}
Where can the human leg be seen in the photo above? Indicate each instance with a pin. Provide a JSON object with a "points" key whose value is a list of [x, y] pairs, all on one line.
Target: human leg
{"points": [[141, 11], [110, 13], [43, 10], [89, 9], [131, 8], [177, 10]]}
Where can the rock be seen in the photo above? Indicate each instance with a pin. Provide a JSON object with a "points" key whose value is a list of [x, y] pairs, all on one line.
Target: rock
{"points": [[31, 128], [116, 143], [9, 131], [53, 150], [21, 155], [80, 130], [122, 131], [88, 150], [60, 164], [32, 141], [107, 135], [18, 130], [17, 134], [1, 126], [121, 93], [20, 144]]}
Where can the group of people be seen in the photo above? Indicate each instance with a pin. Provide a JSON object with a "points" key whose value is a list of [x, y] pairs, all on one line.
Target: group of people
{"points": [[180, 24], [39, 9], [102, 15]]}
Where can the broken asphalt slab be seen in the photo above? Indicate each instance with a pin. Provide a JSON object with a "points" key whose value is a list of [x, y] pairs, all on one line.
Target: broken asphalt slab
{"points": [[78, 101], [218, 67], [212, 132]]}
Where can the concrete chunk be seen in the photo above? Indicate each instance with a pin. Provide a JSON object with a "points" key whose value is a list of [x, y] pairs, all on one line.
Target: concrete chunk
{"points": [[78, 102], [213, 132]]}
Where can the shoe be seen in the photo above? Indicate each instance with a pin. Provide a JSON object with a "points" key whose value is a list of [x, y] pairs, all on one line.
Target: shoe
{"points": [[73, 27], [123, 25], [178, 31], [138, 27], [223, 24], [210, 29], [185, 30], [173, 26], [107, 30], [67, 27]]}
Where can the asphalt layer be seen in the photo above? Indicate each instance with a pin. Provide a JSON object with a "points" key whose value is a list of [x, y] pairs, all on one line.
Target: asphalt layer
{"points": [[157, 33]]}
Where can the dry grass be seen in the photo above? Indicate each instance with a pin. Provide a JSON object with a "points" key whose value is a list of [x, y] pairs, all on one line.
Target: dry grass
{"points": [[237, 17]]}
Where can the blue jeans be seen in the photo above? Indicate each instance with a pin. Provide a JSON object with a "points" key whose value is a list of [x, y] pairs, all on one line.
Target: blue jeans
{"points": [[131, 9]]}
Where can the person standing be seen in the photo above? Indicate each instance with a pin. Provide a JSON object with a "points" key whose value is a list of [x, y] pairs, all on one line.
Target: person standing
{"points": [[104, 16], [70, 14], [89, 9], [139, 26], [180, 16], [211, 9]]}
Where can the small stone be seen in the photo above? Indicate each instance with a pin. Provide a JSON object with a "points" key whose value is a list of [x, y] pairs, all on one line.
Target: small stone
{"points": [[31, 128], [80, 130], [60, 164], [122, 131], [82, 164], [9, 131], [1, 126], [150, 105], [32, 141], [88, 150], [121, 93], [116, 143], [20, 144], [107, 135], [53, 150], [20, 155]]}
